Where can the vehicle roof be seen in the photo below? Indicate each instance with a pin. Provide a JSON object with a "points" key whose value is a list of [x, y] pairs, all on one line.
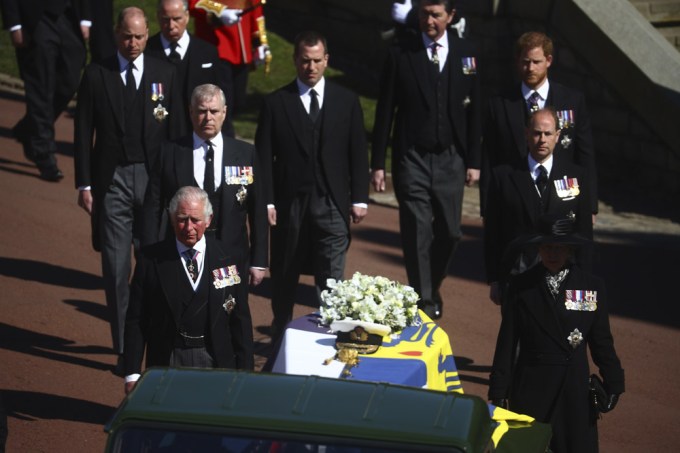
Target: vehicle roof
{"points": [[308, 405]]}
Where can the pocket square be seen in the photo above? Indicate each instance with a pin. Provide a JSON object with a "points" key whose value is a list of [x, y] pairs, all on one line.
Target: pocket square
{"points": [[206, 65]]}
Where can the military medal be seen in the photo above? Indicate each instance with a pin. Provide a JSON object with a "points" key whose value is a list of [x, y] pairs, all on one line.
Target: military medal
{"points": [[242, 194], [567, 188], [160, 113], [229, 304], [466, 101], [469, 65], [157, 92], [580, 300], [575, 338], [566, 118], [226, 276], [238, 175]]}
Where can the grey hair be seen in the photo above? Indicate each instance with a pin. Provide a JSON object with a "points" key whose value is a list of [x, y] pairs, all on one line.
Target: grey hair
{"points": [[207, 92], [160, 4], [190, 193]]}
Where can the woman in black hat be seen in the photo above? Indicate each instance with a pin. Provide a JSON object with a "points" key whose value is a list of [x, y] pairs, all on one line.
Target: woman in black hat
{"points": [[540, 367]]}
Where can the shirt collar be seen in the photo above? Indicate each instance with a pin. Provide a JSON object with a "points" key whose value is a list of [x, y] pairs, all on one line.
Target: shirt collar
{"points": [[319, 87], [533, 165], [217, 141], [442, 42], [542, 90], [123, 62], [199, 246], [182, 43]]}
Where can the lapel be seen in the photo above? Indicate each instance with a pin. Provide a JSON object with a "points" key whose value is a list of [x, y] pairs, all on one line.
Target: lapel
{"points": [[113, 85], [419, 62], [174, 280], [521, 179], [541, 305], [184, 163], [295, 113], [515, 113]]}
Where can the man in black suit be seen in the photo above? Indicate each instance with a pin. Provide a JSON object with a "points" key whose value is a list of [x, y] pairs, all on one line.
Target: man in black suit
{"points": [[102, 41], [226, 168], [520, 193], [128, 103], [431, 81], [197, 61], [49, 39], [312, 147], [504, 139], [188, 303]]}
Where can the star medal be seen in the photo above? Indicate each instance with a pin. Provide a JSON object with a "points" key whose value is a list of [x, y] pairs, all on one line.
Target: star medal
{"points": [[242, 194], [566, 141], [575, 338], [160, 113], [229, 304]]}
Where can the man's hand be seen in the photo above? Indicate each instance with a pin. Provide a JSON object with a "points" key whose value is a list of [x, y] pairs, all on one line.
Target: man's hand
{"points": [[378, 180], [357, 214], [85, 200], [401, 10], [230, 16], [129, 386], [256, 276], [17, 37], [271, 216], [495, 293], [472, 176]]}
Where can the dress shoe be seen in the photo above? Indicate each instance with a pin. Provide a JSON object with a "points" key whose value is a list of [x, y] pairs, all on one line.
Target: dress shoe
{"points": [[52, 174]]}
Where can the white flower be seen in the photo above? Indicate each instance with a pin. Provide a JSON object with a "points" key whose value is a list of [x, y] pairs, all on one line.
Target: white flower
{"points": [[371, 299]]}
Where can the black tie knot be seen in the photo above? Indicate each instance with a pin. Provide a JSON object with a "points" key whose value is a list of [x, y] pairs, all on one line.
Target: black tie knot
{"points": [[174, 56]]}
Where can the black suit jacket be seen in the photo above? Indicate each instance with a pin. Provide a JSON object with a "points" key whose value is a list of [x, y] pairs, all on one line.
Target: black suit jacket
{"points": [[405, 88], [203, 65], [156, 307], [175, 169], [549, 380], [28, 13], [514, 208], [284, 152], [505, 140], [100, 112]]}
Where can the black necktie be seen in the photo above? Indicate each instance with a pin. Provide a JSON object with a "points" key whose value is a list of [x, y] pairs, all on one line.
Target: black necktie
{"points": [[435, 57], [174, 56], [209, 177], [542, 180], [192, 263], [313, 105], [130, 84], [533, 102]]}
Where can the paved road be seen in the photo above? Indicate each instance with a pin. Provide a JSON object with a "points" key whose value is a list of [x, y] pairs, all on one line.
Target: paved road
{"points": [[54, 343]]}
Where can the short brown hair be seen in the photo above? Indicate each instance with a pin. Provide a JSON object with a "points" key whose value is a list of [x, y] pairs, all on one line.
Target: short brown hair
{"points": [[531, 40]]}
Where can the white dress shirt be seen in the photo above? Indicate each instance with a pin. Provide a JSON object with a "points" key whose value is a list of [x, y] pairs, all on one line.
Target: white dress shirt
{"points": [[442, 48], [200, 151], [182, 45], [542, 93], [137, 70], [200, 259]]}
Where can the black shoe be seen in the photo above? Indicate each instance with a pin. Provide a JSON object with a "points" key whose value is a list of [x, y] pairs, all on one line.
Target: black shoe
{"points": [[52, 174]]}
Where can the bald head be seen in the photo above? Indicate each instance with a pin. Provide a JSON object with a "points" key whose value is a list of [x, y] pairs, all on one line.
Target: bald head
{"points": [[132, 32]]}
